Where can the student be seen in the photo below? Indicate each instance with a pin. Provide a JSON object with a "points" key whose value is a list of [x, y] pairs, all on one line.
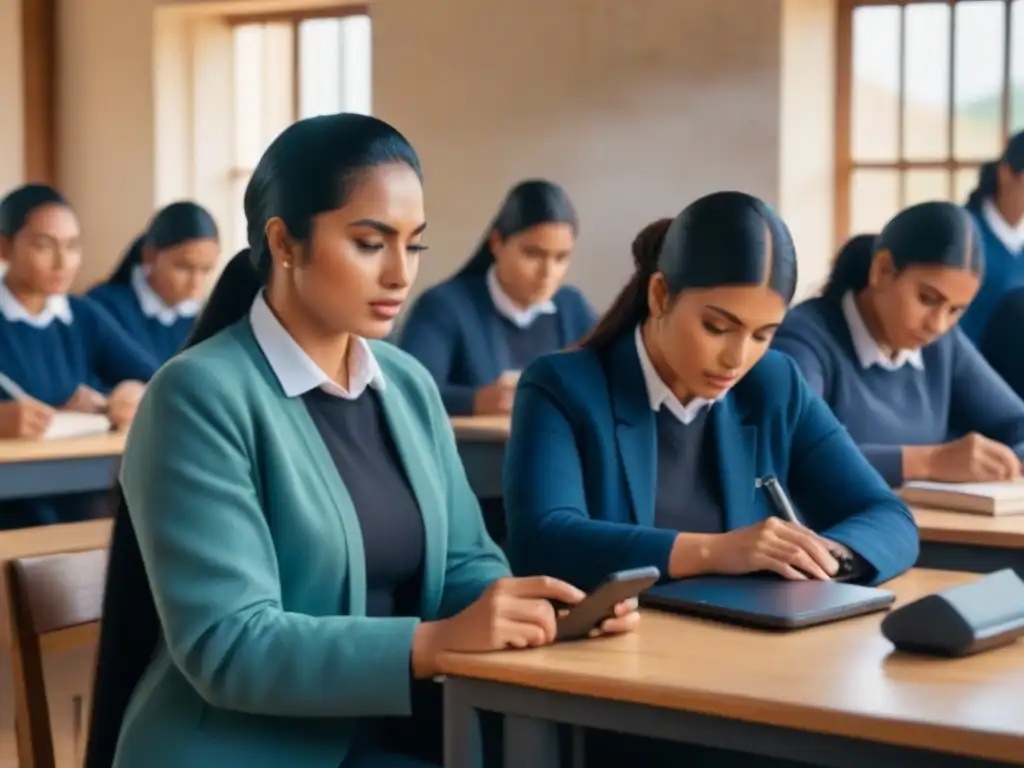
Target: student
{"points": [[1000, 344], [997, 204], [309, 542], [157, 289], [881, 346], [505, 307], [57, 352]]}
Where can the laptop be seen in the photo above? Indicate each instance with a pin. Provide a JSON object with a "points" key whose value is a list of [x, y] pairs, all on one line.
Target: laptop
{"points": [[766, 601]]}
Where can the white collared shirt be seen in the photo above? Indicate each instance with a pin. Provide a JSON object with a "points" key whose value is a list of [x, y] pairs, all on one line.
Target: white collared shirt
{"points": [[296, 371], [521, 318], [57, 308], [658, 392], [1011, 237], [153, 306], [867, 349]]}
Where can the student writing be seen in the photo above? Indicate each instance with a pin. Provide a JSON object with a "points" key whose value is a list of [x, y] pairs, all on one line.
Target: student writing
{"points": [[157, 289], [507, 306], [295, 506], [882, 347]]}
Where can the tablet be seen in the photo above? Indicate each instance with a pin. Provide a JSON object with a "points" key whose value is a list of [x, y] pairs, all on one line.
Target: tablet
{"points": [[765, 601]]}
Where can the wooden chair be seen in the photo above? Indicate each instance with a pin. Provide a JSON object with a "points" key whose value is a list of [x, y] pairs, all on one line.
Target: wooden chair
{"points": [[55, 604]]}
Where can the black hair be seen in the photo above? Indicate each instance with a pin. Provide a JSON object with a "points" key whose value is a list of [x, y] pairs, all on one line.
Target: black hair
{"points": [[173, 225], [988, 179], [934, 233], [310, 168], [20, 203], [528, 204], [998, 340], [726, 238]]}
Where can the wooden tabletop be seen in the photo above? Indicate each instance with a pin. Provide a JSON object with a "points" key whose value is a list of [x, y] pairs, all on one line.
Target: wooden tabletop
{"points": [[482, 428], [843, 678], [12, 451], [966, 528]]}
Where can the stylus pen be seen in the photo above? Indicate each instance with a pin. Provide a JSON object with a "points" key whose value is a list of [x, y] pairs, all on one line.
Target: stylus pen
{"points": [[779, 498]]}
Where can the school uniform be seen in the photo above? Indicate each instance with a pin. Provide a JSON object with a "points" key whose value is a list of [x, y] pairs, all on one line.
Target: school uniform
{"points": [[49, 355], [1000, 344], [467, 332], [1004, 267], [922, 397], [287, 585], [157, 327]]}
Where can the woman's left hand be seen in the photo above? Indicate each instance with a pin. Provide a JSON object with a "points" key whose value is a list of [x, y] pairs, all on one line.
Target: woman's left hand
{"points": [[626, 619], [123, 402]]}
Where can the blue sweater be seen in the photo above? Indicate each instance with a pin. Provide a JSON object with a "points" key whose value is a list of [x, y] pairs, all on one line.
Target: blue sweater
{"points": [[455, 330], [50, 363], [1001, 341], [581, 468], [161, 341], [957, 392], [1004, 269]]}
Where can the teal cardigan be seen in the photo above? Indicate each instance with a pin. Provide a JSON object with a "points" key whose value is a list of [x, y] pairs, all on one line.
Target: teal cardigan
{"points": [[253, 552]]}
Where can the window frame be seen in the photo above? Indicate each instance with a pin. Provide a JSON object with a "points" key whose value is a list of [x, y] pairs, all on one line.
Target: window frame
{"points": [[845, 165]]}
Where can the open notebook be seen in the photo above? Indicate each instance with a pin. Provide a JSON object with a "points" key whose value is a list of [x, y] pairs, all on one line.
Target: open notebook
{"points": [[70, 424], [995, 499]]}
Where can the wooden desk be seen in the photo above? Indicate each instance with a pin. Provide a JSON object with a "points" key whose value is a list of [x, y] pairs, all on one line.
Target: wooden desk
{"points": [[481, 441], [960, 541], [836, 695], [44, 467]]}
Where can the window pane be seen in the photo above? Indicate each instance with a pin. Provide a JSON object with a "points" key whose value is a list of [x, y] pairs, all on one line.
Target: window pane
{"points": [[874, 199], [965, 180], [926, 99], [248, 95], [335, 60], [875, 90], [978, 78], [1017, 67], [923, 185]]}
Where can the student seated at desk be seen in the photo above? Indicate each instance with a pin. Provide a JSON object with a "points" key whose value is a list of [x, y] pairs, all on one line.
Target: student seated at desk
{"points": [[1001, 343], [157, 289], [299, 541], [506, 307], [882, 347], [57, 352]]}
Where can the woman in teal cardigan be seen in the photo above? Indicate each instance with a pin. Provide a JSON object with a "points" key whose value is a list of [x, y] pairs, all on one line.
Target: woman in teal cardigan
{"points": [[294, 497]]}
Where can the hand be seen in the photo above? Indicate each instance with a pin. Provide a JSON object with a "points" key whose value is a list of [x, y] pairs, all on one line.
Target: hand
{"points": [[26, 419], [790, 550], [496, 398], [511, 613], [972, 458], [86, 400], [626, 618], [123, 402]]}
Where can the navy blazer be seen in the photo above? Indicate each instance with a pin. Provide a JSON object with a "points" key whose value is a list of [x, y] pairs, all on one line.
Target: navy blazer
{"points": [[581, 468], [455, 330]]}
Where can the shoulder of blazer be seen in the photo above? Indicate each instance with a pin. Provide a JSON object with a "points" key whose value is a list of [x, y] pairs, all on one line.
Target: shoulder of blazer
{"points": [[570, 297], [773, 386], [573, 379], [455, 293]]}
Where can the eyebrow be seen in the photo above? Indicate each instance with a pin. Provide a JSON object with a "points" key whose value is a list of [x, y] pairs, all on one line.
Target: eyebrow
{"points": [[384, 229], [733, 319], [935, 290]]}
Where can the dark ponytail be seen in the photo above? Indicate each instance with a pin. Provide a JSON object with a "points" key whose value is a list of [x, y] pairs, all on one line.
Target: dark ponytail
{"points": [[851, 267], [528, 204], [988, 174], [630, 307], [311, 168], [172, 226]]}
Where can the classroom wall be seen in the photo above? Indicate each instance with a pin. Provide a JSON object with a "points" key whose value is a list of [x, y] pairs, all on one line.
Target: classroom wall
{"points": [[12, 145]]}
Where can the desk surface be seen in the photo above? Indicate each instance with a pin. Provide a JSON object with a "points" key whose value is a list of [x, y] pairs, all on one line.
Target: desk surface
{"points": [[12, 451], [966, 528], [482, 428], [842, 679]]}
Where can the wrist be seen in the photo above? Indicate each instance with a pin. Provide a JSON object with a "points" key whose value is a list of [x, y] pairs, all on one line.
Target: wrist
{"points": [[917, 461], [693, 554], [426, 645]]}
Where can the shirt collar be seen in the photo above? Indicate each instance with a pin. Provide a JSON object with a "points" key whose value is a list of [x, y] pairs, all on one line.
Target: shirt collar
{"points": [[296, 371], [658, 392], [523, 318], [867, 349], [57, 308], [153, 306], [1011, 237]]}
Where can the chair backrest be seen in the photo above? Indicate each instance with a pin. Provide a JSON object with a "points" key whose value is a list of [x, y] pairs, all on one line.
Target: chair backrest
{"points": [[55, 604]]}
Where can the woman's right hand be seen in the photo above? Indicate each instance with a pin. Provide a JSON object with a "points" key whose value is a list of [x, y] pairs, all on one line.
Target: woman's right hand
{"points": [[790, 550], [972, 458], [511, 613], [24, 419], [496, 398]]}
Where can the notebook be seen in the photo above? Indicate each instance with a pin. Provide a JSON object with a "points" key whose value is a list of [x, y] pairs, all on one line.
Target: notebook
{"points": [[766, 601], [997, 499], [70, 424]]}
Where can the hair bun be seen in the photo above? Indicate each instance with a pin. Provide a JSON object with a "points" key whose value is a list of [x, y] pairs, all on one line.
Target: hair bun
{"points": [[647, 245]]}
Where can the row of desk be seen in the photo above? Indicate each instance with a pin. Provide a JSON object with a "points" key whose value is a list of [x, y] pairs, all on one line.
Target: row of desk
{"points": [[836, 695]]}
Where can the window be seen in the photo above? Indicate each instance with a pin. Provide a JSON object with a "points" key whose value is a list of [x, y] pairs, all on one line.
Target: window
{"points": [[286, 69], [926, 93]]}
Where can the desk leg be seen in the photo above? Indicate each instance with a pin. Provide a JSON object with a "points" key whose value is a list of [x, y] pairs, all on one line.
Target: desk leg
{"points": [[531, 743], [462, 744]]}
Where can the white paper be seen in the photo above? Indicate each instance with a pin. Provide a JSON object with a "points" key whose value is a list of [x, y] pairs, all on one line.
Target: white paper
{"points": [[71, 424]]}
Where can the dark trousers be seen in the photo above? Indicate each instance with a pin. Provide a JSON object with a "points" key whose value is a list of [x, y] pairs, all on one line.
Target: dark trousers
{"points": [[67, 508]]}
